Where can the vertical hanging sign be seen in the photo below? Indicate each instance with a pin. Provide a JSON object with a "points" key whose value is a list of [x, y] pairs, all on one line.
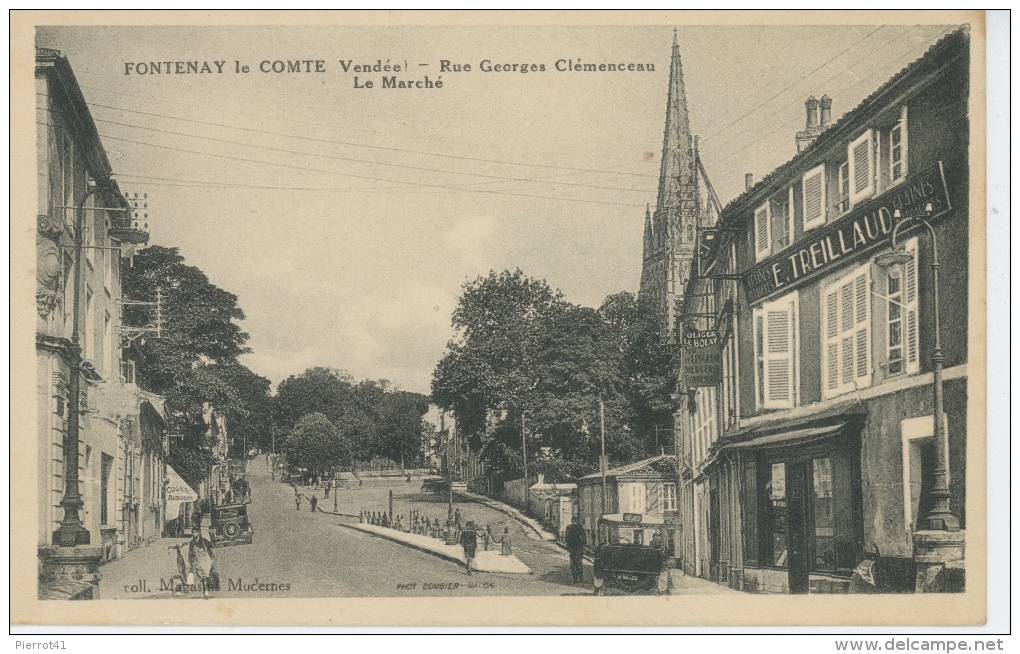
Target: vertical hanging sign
{"points": [[702, 358]]}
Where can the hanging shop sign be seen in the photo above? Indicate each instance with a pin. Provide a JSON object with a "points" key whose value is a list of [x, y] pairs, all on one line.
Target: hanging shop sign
{"points": [[860, 230], [702, 358]]}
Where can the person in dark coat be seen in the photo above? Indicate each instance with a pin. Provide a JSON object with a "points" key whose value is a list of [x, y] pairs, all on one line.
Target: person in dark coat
{"points": [[576, 540], [313, 503], [469, 541]]}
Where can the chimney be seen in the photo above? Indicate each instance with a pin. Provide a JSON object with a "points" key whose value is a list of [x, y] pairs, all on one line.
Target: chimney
{"points": [[811, 105], [812, 128], [748, 181], [826, 105]]}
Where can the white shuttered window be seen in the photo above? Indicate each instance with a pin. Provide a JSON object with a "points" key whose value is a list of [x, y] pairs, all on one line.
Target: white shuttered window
{"points": [[861, 154], [814, 197], [762, 232], [776, 345], [846, 333]]}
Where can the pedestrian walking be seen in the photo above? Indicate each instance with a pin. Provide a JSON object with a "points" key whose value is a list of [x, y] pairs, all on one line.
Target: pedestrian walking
{"points": [[506, 546], [297, 501], [202, 563], [313, 503], [328, 484], [576, 540], [469, 541], [456, 518]]}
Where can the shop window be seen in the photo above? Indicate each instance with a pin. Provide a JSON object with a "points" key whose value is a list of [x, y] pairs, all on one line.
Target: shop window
{"points": [[824, 520], [814, 197], [777, 523], [846, 333], [776, 346], [861, 155]]}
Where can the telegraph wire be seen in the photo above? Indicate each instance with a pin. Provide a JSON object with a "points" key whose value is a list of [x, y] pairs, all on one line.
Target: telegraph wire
{"points": [[372, 131], [873, 75], [376, 179], [843, 90], [573, 170], [364, 161], [795, 83]]}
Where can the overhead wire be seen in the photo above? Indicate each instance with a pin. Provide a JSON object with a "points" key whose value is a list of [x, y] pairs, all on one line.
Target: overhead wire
{"points": [[367, 177], [759, 105], [370, 131], [877, 73]]}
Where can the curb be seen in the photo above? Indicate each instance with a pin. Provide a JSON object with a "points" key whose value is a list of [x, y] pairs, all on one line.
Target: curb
{"points": [[441, 555], [512, 513]]}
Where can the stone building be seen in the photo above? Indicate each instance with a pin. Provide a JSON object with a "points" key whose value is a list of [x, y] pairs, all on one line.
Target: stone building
{"points": [[83, 224], [818, 445]]}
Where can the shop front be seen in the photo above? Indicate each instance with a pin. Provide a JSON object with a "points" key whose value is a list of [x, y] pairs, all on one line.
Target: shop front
{"points": [[800, 499]]}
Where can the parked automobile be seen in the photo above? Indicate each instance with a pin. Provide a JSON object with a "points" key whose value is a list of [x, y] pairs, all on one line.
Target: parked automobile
{"points": [[629, 556], [229, 525]]}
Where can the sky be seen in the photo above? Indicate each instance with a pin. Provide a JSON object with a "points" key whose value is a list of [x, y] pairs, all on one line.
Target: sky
{"points": [[347, 220]]}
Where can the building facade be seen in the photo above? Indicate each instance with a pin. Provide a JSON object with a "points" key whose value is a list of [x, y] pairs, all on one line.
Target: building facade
{"points": [[121, 431], [648, 486], [816, 449]]}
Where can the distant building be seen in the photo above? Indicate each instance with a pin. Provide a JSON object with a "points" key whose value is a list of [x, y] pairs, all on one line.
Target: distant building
{"points": [[816, 445], [648, 486], [122, 431]]}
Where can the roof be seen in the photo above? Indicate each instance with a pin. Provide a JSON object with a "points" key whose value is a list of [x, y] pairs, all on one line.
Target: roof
{"points": [[657, 466], [956, 39]]}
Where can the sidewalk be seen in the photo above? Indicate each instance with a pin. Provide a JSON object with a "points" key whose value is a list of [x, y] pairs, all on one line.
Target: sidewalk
{"points": [[485, 561], [511, 511]]}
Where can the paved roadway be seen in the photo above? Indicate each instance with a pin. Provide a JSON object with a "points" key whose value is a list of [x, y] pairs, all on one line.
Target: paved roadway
{"points": [[309, 554]]}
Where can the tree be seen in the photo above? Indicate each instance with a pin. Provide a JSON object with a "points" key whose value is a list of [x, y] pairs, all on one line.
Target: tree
{"points": [[316, 444], [491, 362], [523, 349], [192, 362], [373, 419]]}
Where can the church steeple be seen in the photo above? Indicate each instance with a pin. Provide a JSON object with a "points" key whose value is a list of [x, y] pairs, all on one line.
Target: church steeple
{"points": [[649, 236], [676, 175], [667, 266]]}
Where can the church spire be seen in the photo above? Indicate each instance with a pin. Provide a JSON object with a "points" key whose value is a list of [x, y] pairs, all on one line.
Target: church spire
{"points": [[676, 174], [649, 243], [667, 266]]}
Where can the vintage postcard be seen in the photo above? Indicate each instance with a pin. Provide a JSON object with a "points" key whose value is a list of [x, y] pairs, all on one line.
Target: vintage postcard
{"points": [[498, 318]]}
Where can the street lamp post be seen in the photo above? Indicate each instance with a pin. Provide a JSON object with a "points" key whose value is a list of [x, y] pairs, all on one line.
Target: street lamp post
{"points": [[940, 517], [72, 531]]}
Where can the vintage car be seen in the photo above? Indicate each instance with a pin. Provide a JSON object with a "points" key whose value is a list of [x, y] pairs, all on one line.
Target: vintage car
{"points": [[229, 525], [434, 485], [629, 556]]}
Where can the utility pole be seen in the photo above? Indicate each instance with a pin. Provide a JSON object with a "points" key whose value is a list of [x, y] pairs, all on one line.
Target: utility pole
{"points": [[524, 448], [603, 464]]}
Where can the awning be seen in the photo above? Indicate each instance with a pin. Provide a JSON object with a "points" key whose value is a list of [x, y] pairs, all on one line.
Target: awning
{"points": [[786, 438], [177, 492]]}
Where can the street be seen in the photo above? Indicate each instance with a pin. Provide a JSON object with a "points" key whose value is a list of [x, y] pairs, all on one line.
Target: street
{"points": [[305, 554]]}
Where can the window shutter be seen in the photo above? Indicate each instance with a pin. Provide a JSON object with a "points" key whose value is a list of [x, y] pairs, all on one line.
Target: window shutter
{"points": [[847, 333], [762, 237], [779, 341], [814, 197], [910, 302], [862, 168], [862, 331]]}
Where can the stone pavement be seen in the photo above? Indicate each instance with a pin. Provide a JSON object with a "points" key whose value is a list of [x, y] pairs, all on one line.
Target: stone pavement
{"points": [[485, 561]]}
